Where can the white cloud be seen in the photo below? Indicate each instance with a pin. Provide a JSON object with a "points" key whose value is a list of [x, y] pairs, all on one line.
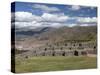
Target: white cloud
{"points": [[75, 7], [84, 25], [23, 16], [29, 17], [87, 19], [26, 17], [28, 25], [55, 17], [28, 20], [46, 8]]}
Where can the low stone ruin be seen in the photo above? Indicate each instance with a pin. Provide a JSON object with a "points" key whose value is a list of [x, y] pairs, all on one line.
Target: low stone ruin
{"points": [[67, 49]]}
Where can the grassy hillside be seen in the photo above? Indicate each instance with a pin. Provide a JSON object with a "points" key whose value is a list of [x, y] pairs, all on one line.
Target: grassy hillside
{"points": [[71, 33], [63, 33], [41, 64]]}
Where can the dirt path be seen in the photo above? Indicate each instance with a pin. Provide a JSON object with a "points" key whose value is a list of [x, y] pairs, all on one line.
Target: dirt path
{"points": [[92, 55]]}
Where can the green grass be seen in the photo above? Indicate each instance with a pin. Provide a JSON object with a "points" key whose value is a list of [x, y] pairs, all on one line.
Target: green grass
{"points": [[58, 63]]}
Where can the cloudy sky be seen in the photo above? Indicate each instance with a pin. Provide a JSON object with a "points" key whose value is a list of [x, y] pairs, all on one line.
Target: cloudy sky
{"points": [[33, 15]]}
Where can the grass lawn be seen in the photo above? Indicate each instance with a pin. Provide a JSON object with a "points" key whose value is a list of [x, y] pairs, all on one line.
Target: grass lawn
{"points": [[57, 63]]}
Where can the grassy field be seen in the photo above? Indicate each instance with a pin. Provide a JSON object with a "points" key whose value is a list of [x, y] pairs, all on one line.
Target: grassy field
{"points": [[57, 63]]}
